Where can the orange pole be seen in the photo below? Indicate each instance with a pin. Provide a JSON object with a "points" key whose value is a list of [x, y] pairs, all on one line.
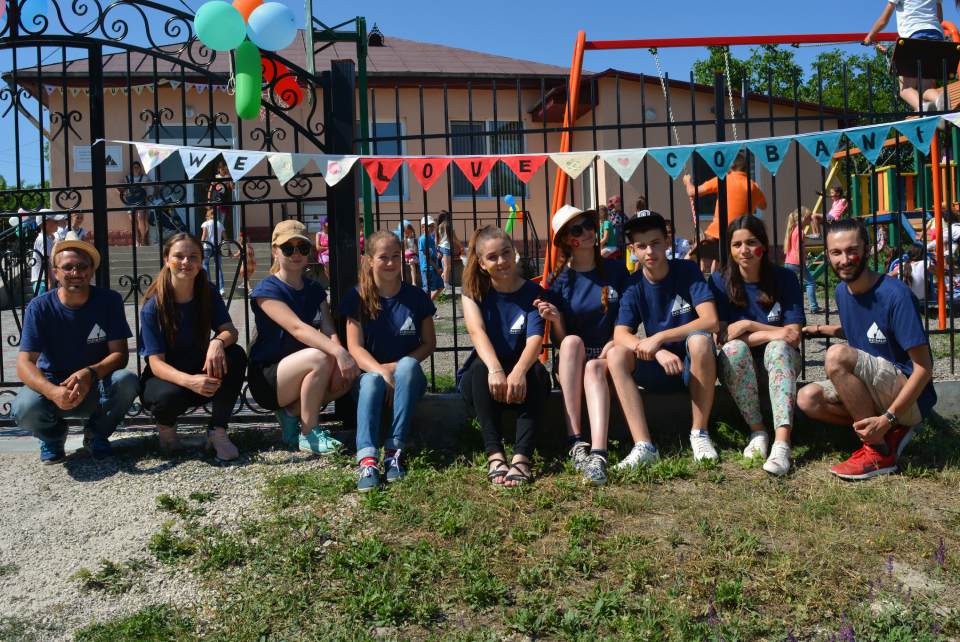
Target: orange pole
{"points": [[938, 230]]}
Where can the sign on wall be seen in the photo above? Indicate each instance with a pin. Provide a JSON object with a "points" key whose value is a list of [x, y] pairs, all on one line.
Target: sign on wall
{"points": [[82, 158]]}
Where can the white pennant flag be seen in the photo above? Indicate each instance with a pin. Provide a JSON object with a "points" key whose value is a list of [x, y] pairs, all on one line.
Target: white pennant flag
{"points": [[49, 89], [195, 159], [199, 88], [240, 162], [152, 154], [75, 91], [573, 163], [174, 84], [624, 161], [286, 166], [138, 89], [952, 118], [334, 166]]}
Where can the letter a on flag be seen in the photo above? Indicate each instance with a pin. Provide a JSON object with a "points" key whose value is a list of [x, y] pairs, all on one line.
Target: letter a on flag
{"points": [[381, 171], [476, 168], [427, 170], [524, 167]]}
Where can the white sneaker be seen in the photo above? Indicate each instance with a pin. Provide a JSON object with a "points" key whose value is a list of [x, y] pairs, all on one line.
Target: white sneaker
{"points": [[640, 455], [759, 445], [778, 463], [703, 447]]}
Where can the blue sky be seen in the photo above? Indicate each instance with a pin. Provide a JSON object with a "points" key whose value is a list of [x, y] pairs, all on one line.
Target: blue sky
{"points": [[545, 32]]}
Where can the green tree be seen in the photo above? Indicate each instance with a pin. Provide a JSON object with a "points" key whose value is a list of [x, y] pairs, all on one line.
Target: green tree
{"points": [[31, 200], [715, 63]]}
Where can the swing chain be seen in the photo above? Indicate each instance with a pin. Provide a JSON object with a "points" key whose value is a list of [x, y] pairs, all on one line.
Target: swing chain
{"points": [[726, 61], [666, 97]]}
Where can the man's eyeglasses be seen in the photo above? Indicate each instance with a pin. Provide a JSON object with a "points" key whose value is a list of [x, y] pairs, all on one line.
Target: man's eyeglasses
{"points": [[79, 268], [578, 228], [289, 248]]}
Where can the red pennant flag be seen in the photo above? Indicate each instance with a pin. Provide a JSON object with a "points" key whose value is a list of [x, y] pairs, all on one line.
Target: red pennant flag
{"points": [[381, 171], [524, 166], [476, 168], [427, 170]]}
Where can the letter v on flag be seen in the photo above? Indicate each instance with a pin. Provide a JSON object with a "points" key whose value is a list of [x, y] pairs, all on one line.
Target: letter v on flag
{"points": [[524, 167], [381, 171], [624, 161], [427, 170], [476, 168]]}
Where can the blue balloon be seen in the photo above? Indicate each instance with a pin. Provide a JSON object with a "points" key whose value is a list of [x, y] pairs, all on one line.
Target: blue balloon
{"points": [[272, 26], [509, 200]]}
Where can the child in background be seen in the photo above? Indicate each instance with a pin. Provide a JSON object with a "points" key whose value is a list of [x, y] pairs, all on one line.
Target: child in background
{"points": [[677, 246], [609, 241], [427, 247], [796, 221], [212, 235], [322, 246], [410, 258], [840, 204]]}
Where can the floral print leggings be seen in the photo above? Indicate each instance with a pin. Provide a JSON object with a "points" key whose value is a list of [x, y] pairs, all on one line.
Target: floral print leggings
{"points": [[738, 374]]}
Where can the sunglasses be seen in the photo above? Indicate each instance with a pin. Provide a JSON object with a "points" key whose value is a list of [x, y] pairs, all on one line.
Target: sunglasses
{"points": [[579, 228], [289, 248]]}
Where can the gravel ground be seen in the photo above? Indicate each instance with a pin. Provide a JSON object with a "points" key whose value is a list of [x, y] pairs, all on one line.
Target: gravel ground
{"points": [[57, 519]]}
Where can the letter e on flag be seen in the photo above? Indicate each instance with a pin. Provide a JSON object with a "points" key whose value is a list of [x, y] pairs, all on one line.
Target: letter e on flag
{"points": [[524, 167]]}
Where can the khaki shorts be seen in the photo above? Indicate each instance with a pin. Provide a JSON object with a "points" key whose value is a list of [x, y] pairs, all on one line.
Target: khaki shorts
{"points": [[884, 383]]}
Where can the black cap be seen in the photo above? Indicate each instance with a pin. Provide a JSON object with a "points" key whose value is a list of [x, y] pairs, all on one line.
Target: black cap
{"points": [[644, 221]]}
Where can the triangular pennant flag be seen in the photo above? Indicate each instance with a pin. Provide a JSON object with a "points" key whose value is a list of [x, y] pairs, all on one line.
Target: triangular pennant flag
{"points": [[152, 155], [524, 167], [671, 159], [199, 88], [75, 91], [770, 152], [920, 132], [427, 170], [381, 171], [138, 89], [624, 161], [240, 162], [476, 168], [870, 140], [174, 84], [573, 163], [334, 166], [286, 166], [952, 118], [719, 156], [195, 159], [49, 89], [821, 145]]}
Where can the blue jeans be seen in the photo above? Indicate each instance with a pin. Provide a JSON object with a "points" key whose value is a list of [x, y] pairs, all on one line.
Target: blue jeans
{"points": [[370, 391], [210, 252], [651, 376], [103, 408], [808, 285]]}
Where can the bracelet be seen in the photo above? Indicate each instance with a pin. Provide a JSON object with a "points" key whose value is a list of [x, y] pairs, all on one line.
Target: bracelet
{"points": [[817, 331], [498, 371], [93, 373], [220, 340]]}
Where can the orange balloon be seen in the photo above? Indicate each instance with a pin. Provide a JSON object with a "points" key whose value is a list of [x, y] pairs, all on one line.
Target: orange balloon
{"points": [[246, 7]]}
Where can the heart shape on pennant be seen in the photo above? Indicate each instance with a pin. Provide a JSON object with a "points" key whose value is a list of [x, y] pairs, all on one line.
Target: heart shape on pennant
{"points": [[624, 162]]}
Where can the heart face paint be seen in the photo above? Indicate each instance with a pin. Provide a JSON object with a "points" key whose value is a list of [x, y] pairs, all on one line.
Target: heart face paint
{"points": [[574, 243], [758, 252]]}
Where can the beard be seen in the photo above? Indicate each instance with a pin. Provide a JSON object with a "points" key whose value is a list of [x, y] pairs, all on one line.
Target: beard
{"points": [[861, 266]]}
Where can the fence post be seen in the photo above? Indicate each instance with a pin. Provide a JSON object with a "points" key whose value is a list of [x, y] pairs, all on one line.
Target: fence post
{"points": [[98, 165], [721, 135]]}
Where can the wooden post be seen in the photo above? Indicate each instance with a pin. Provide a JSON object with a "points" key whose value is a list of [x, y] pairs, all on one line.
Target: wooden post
{"points": [[938, 230]]}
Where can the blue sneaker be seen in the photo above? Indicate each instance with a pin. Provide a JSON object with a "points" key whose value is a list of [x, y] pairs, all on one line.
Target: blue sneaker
{"points": [[369, 479], [394, 471], [52, 452], [98, 447], [319, 442], [289, 428]]}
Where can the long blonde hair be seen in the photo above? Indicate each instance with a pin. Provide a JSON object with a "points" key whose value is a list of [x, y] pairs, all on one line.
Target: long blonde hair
{"points": [[794, 218], [369, 294], [476, 280]]}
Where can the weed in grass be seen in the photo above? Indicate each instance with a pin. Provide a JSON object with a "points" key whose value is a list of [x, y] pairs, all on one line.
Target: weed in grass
{"points": [[296, 489], [202, 497], [365, 554], [729, 593], [451, 517], [178, 506], [156, 623], [482, 589], [659, 472], [535, 616], [111, 577], [219, 550], [726, 435], [8, 569], [529, 531], [580, 525], [19, 629], [168, 547]]}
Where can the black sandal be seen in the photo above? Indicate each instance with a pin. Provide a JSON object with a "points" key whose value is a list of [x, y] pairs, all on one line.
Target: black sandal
{"points": [[499, 471], [520, 476]]}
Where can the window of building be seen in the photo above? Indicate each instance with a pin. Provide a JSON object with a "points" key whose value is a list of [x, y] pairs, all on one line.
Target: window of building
{"points": [[487, 137]]}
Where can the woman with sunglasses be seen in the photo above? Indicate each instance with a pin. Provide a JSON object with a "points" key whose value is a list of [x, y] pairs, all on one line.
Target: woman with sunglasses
{"points": [[297, 363], [582, 310]]}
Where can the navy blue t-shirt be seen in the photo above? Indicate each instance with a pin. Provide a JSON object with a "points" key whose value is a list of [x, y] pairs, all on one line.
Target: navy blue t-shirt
{"points": [[273, 343], [787, 309], [510, 319], [885, 322], [579, 296], [186, 353], [71, 339], [666, 304], [395, 332]]}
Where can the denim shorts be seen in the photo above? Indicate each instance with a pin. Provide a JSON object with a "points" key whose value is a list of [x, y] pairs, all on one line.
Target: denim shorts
{"points": [[651, 376], [927, 34]]}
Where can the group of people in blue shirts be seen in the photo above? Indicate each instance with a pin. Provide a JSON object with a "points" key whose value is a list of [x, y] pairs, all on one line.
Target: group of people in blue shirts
{"points": [[743, 325]]}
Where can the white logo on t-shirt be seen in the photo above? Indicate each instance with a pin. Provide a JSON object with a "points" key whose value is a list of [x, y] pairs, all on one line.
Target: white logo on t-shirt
{"points": [[680, 306], [774, 314], [407, 328], [612, 295], [96, 334], [875, 335], [318, 320], [519, 324]]}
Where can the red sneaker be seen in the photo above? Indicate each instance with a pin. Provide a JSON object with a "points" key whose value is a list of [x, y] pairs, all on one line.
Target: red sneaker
{"points": [[865, 463], [898, 437]]}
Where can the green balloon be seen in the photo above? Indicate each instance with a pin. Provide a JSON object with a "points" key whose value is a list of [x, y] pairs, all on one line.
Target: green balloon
{"points": [[249, 81], [219, 25]]}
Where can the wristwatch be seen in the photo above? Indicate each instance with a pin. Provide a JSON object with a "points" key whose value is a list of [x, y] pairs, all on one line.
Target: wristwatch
{"points": [[892, 418], [93, 373]]}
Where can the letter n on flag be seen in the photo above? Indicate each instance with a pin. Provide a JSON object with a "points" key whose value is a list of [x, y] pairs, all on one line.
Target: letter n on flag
{"points": [[381, 171], [524, 167], [427, 170], [476, 168]]}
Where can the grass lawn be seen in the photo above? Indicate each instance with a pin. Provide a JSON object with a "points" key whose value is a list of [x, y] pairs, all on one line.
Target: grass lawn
{"points": [[673, 552]]}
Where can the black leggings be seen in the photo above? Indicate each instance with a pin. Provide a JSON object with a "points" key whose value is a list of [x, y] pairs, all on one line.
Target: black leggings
{"points": [[476, 392], [167, 401]]}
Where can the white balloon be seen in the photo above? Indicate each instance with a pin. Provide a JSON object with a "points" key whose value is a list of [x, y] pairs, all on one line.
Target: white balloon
{"points": [[14, 221]]}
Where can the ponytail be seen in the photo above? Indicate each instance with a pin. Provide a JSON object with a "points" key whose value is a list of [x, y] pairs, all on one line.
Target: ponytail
{"points": [[369, 294], [476, 281]]}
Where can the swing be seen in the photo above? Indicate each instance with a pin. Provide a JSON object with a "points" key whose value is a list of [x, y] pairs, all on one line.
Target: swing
{"points": [[907, 52]]}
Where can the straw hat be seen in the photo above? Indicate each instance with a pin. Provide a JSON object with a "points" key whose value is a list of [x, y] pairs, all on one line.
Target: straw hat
{"points": [[73, 242], [563, 216]]}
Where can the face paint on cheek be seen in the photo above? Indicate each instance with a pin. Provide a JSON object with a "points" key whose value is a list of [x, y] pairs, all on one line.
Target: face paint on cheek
{"points": [[758, 251], [855, 258], [574, 243]]}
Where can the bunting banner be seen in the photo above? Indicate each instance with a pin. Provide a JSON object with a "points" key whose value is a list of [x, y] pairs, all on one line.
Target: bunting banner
{"points": [[770, 152]]}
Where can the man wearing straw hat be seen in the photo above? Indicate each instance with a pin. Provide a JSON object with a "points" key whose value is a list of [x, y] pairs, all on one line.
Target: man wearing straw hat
{"points": [[73, 351]]}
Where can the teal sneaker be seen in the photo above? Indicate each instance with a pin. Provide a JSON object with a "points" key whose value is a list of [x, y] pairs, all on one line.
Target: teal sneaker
{"points": [[289, 428], [319, 442]]}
